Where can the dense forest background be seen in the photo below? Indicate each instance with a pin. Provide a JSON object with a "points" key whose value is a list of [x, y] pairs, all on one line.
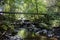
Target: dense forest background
{"points": [[46, 13]]}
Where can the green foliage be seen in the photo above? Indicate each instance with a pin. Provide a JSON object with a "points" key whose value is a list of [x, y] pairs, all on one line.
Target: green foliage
{"points": [[23, 33], [6, 25], [47, 17]]}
